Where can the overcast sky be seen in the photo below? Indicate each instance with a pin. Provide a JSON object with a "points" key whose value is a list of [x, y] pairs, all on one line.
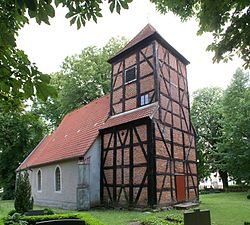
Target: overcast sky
{"points": [[47, 46]]}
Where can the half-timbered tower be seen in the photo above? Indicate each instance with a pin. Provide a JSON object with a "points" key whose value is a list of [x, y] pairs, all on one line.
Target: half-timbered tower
{"points": [[148, 154]]}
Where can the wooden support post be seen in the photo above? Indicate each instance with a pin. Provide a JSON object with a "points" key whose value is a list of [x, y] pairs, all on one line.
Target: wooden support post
{"points": [[152, 195], [131, 163]]}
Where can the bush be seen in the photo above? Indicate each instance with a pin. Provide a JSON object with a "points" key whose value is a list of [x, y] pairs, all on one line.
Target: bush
{"points": [[248, 194], [15, 219], [11, 212], [168, 220], [23, 199], [7, 194], [246, 223], [88, 218], [48, 211]]}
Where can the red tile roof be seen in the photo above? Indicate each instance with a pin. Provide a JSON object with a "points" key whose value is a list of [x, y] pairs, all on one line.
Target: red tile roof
{"points": [[142, 112], [78, 131], [73, 137]]}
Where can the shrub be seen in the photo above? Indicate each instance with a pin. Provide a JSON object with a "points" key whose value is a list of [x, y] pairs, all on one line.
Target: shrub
{"points": [[23, 200], [7, 194], [88, 218], [15, 219], [246, 223], [168, 220], [48, 211], [248, 194], [11, 212]]}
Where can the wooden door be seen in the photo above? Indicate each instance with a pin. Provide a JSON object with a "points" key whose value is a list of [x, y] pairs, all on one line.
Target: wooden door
{"points": [[180, 188]]}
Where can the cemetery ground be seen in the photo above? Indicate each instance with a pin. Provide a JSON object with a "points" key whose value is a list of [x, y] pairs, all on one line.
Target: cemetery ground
{"points": [[226, 209]]}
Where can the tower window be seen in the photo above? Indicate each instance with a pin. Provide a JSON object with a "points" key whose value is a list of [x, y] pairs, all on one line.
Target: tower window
{"points": [[144, 99], [130, 75]]}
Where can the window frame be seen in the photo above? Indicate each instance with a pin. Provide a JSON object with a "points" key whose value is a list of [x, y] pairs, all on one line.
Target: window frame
{"points": [[39, 190], [125, 74], [55, 180], [144, 97]]}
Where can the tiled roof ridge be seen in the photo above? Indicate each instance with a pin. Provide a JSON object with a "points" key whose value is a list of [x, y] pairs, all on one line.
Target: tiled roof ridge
{"points": [[83, 106]]}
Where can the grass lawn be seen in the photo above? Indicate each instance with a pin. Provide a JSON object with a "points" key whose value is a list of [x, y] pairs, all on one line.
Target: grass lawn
{"points": [[226, 209]]}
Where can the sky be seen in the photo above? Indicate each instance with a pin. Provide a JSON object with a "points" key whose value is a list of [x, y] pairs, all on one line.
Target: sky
{"points": [[48, 46]]}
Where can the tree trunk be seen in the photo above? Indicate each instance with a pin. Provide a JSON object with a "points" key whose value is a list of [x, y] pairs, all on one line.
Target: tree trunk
{"points": [[224, 177]]}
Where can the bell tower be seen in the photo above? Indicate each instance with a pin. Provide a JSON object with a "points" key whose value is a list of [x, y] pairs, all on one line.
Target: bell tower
{"points": [[134, 74], [148, 142]]}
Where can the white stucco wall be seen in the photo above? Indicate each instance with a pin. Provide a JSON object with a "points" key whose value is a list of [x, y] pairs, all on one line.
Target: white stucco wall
{"points": [[94, 155], [48, 197], [67, 197]]}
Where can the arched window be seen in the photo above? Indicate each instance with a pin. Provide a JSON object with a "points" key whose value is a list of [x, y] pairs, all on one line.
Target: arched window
{"points": [[39, 180], [58, 179]]}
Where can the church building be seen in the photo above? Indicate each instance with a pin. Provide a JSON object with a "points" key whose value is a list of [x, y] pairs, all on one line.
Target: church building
{"points": [[134, 147]]}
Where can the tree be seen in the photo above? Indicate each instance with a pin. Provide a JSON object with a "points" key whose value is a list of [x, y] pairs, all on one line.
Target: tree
{"points": [[23, 200], [207, 118], [236, 126], [83, 77], [21, 79], [227, 20], [20, 133]]}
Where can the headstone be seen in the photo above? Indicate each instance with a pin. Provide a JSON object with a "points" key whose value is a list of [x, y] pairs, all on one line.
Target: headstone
{"points": [[197, 217]]}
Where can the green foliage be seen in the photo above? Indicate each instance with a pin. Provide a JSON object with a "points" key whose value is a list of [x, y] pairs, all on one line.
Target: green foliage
{"points": [[206, 117], [227, 20], [23, 200], [48, 211], [222, 121], [169, 220], [15, 219], [87, 217], [11, 212], [20, 133], [83, 77], [236, 127], [21, 79]]}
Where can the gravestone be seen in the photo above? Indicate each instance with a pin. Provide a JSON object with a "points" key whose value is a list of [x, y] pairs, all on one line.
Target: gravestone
{"points": [[197, 217]]}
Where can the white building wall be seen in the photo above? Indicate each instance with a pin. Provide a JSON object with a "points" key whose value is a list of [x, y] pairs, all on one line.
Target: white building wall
{"points": [[48, 197], [94, 156], [67, 197]]}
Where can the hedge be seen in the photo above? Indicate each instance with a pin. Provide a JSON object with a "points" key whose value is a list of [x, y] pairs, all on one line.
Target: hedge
{"points": [[87, 217]]}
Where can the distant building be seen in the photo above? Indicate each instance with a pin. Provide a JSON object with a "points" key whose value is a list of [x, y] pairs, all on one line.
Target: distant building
{"points": [[133, 147], [214, 181]]}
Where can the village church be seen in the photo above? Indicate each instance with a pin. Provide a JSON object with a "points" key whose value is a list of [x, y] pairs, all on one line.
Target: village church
{"points": [[134, 147]]}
